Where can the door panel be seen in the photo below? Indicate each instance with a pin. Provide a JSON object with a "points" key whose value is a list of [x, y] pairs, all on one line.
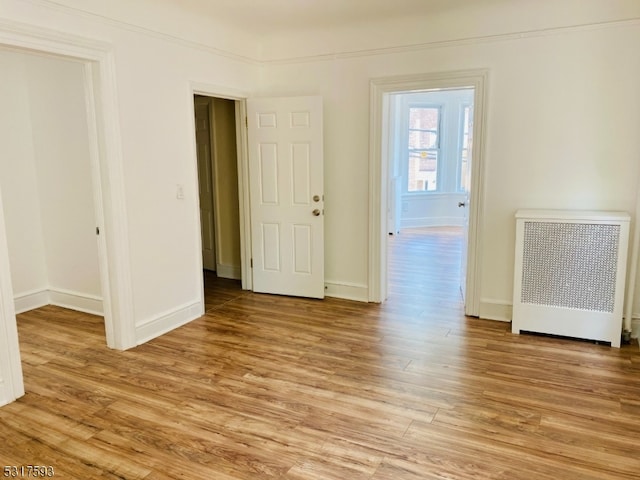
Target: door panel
{"points": [[269, 173], [271, 247], [302, 252], [287, 203], [301, 174]]}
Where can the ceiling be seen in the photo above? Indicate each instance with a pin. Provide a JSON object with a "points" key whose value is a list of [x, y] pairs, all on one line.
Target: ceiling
{"points": [[272, 16]]}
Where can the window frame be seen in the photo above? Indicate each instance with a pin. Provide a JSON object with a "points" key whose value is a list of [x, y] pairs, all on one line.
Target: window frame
{"points": [[406, 151], [461, 133]]}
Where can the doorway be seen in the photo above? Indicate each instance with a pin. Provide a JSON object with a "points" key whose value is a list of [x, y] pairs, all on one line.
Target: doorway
{"points": [[379, 179], [97, 94], [216, 141], [424, 274], [47, 185], [430, 139], [261, 239]]}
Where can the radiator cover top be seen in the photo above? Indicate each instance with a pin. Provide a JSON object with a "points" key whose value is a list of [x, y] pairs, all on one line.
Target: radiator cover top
{"points": [[570, 265]]}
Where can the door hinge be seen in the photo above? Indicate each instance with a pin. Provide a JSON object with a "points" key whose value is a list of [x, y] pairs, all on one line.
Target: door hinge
{"points": [[97, 230], [246, 121], [252, 263]]}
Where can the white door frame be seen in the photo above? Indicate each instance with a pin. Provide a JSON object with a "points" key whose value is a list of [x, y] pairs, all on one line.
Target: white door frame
{"points": [[240, 98], [378, 173], [10, 366], [107, 178]]}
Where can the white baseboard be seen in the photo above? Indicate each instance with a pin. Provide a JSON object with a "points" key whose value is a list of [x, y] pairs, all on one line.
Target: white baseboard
{"points": [[348, 291], [228, 271], [62, 298], [492, 309], [502, 311], [166, 322], [26, 301], [76, 301]]}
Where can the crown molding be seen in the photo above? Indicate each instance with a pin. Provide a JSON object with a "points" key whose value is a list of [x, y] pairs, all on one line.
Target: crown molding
{"points": [[337, 55], [132, 27], [473, 40], [31, 37]]}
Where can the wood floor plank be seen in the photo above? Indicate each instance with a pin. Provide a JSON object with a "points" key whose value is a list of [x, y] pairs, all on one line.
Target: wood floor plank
{"points": [[272, 387], [513, 460]]}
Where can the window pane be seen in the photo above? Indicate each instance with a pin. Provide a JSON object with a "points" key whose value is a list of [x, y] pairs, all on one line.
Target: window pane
{"points": [[423, 144], [423, 170], [423, 118], [423, 139], [465, 151]]}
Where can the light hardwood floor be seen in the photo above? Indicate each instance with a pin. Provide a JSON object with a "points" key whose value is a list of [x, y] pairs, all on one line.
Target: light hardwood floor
{"points": [[269, 387]]}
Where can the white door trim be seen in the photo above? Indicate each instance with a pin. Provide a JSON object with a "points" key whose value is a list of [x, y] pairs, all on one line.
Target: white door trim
{"points": [[11, 381], [378, 173], [110, 199], [240, 97]]}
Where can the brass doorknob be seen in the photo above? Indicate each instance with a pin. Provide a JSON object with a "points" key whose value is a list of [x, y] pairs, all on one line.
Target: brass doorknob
{"points": [[316, 212]]}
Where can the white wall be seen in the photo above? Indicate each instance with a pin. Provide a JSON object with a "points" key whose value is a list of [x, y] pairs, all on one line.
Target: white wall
{"points": [[156, 116], [561, 133], [47, 186], [61, 146], [18, 180]]}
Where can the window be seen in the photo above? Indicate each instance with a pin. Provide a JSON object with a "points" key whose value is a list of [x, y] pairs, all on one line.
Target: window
{"points": [[423, 148], [431, 143], [466, 130]]}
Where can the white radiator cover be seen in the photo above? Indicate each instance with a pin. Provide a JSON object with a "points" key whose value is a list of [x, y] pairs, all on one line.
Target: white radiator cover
{"points": [[570, 269]]}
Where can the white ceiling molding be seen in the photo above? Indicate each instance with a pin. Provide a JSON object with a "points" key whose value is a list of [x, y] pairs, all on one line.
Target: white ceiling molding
{"points": [[255, 21]]}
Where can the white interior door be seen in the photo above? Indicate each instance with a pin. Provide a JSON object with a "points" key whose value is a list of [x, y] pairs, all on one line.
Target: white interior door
{"points": [[205, 181], [464, 252], [287, 201], [467, 147]]}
